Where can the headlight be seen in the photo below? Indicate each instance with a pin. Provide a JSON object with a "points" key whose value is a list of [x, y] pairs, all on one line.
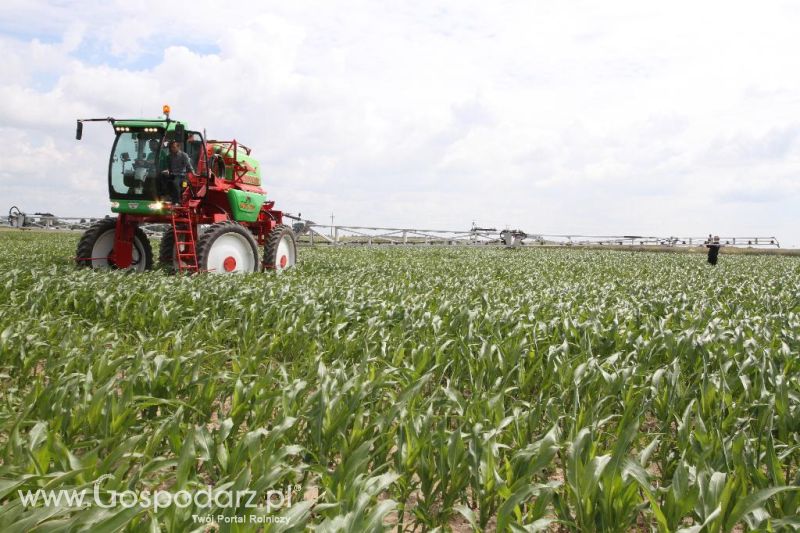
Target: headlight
{"points": [[114, 205], [156, 206]]}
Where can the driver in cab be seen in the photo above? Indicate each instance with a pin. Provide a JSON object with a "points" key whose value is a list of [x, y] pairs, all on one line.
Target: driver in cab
{"points": [[173, 178], [150, 158]]}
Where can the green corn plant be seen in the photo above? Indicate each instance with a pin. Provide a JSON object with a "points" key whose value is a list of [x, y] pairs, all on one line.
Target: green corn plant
{"points": [[408, 389]]}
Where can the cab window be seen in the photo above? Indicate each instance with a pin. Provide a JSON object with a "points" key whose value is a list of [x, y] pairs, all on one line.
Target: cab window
{"points": [[132, 169]]}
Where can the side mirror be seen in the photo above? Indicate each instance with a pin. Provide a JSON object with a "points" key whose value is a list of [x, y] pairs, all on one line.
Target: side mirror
{"points": [[79, 130], [180, 133]]}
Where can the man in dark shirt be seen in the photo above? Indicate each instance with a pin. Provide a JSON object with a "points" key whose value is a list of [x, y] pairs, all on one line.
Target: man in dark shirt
{"points": [[174, 176], [713, 249]]}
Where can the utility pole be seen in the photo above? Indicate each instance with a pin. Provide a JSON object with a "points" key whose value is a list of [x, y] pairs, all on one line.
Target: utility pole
{"points": [[331, 225]]}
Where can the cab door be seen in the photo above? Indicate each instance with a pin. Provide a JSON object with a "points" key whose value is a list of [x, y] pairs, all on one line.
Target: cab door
{"points": [[195, 149]]}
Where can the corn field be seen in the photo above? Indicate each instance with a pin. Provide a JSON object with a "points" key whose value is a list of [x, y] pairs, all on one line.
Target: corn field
{"points": [[407, 389]]}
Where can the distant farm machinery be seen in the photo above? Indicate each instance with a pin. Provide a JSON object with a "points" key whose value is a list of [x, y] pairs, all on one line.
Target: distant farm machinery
{"points": [[341, 235]]}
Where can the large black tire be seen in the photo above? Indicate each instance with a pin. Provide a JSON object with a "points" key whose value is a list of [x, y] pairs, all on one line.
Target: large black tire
{"points": [[97, 242], [280, 250], [227, 247], [166, 250]]}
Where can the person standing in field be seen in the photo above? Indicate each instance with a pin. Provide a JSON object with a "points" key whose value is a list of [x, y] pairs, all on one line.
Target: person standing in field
{"points": [[713, 249]]}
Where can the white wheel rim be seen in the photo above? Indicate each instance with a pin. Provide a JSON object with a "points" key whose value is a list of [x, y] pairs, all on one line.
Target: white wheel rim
{"points": [[229, 253], [102, 249], [284, 256]]}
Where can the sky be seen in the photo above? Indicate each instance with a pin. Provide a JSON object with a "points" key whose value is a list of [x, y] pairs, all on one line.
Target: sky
{"points": [[597, 118]]}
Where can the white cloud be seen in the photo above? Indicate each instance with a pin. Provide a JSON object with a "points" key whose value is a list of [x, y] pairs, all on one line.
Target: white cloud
{"points": [[563, 117]]}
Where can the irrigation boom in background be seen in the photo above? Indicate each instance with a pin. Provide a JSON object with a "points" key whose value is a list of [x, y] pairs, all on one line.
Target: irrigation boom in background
{"points": [[309, 232]]}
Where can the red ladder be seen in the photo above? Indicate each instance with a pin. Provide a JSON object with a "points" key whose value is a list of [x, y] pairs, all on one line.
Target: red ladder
{"points": [[185, 251]]}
